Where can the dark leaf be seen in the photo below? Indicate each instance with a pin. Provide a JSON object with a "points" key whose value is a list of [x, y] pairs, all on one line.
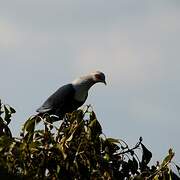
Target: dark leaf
{"points": [[126, 169], [7, 131], [7, 115], [1, 122], [12, 110], [95, 127], [146, 156], [178, 168], [92, 116], [80, 115], [1, 111], [133, 165]]}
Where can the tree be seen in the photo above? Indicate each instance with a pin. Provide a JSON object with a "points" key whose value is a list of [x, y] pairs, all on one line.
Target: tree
{"points": [[77, 149]]}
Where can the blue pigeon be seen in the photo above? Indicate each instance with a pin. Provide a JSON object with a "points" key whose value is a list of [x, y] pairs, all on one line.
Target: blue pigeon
{"points": [[71, 96]]}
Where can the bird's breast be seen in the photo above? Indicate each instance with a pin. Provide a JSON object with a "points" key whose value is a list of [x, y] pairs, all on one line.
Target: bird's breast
{"points": [[80, 95]]}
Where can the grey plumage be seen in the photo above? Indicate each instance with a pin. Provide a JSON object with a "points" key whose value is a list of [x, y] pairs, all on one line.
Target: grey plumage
{"points": [[71, 96]]}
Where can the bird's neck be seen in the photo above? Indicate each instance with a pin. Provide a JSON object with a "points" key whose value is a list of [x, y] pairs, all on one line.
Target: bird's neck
{"points": [[81, 87], [82, 83]]}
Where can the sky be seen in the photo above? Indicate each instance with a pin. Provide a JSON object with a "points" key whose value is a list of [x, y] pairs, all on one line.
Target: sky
{"points": [[47, 43]]}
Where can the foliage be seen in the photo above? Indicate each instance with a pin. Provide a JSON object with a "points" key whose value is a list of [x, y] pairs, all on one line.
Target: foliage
{"points": [[77, 149]]}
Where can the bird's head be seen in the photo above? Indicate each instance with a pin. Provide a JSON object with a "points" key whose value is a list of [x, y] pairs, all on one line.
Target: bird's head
{"points": [[89, 80], [98, 76]]}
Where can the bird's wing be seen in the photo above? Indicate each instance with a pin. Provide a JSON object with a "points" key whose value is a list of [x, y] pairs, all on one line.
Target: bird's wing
{"points": [[59, 99]]}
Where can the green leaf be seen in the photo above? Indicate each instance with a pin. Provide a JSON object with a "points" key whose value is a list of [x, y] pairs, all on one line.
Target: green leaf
{"points": [[35, 146], [58, 169], [5, 142], [156, 177], [75, 150], [168, 158], [112, 140], [169, 173], [71, 136], [62, 149], [106, 157], [37, 119], [29, 125]]}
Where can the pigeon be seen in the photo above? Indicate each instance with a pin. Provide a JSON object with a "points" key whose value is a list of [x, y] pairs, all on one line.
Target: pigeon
{"points": [[70, 97]]}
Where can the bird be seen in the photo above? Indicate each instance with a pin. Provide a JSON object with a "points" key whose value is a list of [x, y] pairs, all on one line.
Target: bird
{"points": [[70, 97]]}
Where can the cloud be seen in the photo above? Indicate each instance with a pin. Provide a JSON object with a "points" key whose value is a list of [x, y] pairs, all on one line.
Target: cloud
{"points": [[8, 35]]}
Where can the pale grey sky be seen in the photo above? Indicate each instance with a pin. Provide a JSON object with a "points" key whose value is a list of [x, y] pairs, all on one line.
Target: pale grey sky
{"points": [[136, 43]]}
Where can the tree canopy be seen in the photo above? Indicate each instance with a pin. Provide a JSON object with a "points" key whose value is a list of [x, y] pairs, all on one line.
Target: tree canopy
{"points": [[76, 149]]}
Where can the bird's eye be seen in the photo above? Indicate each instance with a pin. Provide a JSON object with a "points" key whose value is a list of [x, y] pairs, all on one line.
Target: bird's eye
{"points": [[98, 76]]}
